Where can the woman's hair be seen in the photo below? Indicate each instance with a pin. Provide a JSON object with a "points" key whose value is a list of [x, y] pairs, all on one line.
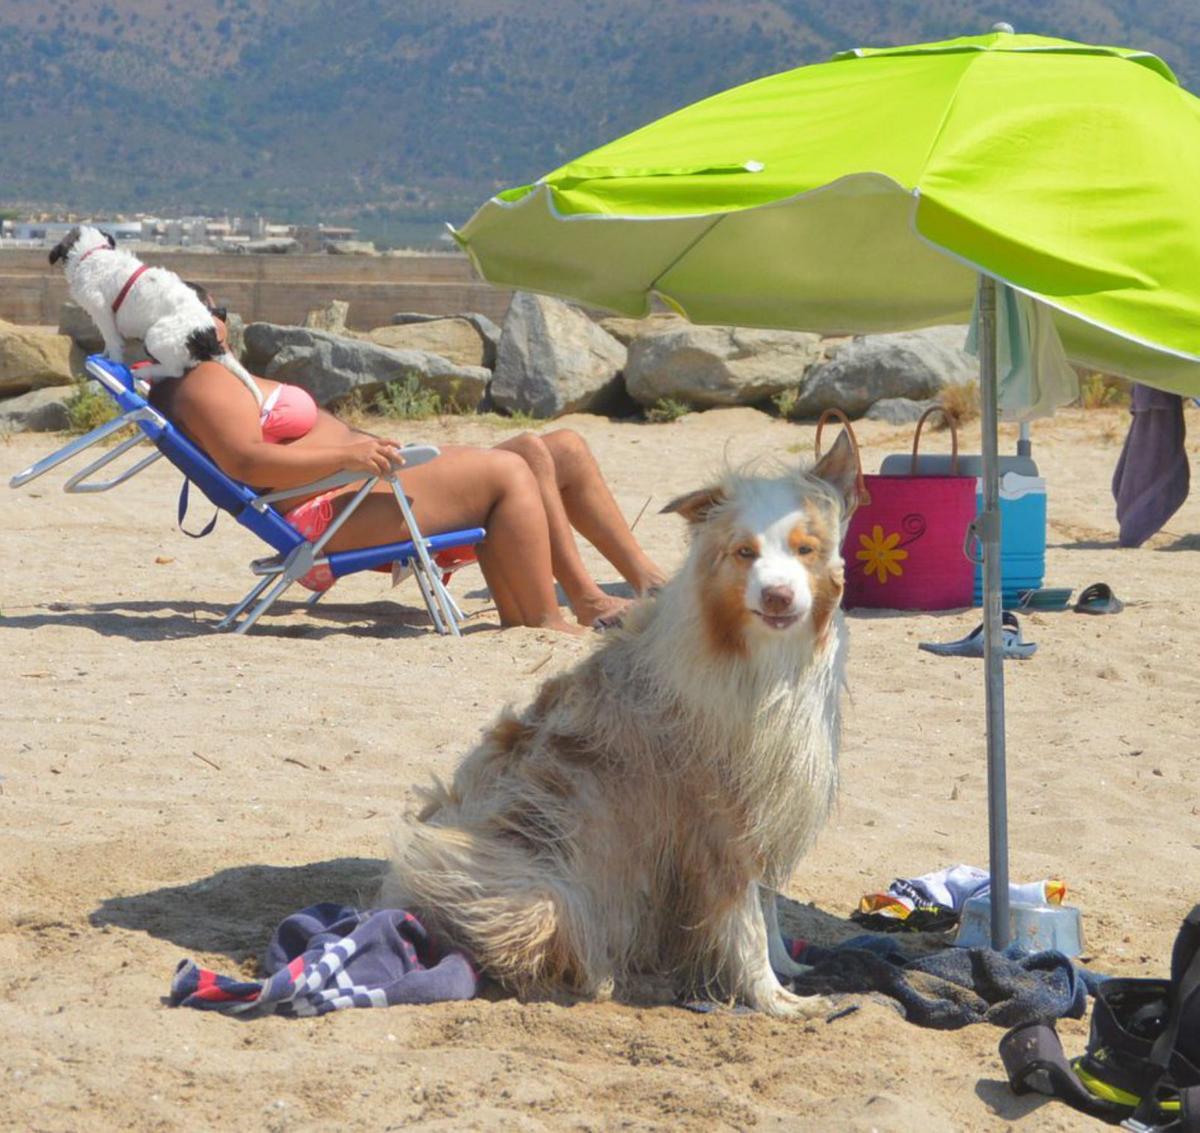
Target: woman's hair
{"points": [[201, 293]]}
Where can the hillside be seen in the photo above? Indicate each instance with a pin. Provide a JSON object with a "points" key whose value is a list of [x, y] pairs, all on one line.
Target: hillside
{"points": [[386, 114]]}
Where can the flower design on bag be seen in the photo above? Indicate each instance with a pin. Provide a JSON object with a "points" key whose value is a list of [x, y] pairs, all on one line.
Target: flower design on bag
{"points": [[880, 555]]}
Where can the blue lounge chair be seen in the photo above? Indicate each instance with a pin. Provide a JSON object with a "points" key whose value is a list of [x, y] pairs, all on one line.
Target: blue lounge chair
{"points": [[294, 555]]}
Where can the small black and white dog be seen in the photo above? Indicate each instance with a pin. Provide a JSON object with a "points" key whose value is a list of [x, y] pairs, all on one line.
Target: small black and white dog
{"points": [[126, 298]]}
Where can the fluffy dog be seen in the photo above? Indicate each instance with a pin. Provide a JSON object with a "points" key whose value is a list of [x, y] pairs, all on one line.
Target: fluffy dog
{"points": [[624, 822], [127, 299]]}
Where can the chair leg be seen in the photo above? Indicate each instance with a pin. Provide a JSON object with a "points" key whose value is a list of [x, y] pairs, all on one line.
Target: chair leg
{"points": [[284, 582], [236, 611]]}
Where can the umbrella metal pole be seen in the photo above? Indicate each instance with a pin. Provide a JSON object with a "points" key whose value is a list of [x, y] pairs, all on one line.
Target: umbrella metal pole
{"points": [[988, 528]]}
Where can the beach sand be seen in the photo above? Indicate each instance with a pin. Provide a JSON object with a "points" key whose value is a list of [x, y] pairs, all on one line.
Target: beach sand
{"points": [[168, 791]]}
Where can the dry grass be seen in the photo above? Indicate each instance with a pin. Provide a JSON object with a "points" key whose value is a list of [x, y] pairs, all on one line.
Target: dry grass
{"points": [[961, 403], [1102, 391]]}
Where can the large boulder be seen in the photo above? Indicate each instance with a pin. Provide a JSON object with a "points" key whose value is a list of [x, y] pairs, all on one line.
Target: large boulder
{"points": [[870, 368], [331, 317], [625, 330], [332, 367], [452, 338], [898, 410], [76, 324], [31, 358], [39, 411], [484, 327], [553, 359], [705, 367]]}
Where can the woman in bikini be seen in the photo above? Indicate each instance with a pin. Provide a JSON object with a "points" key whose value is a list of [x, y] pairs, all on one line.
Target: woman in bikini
{"points": [[529, 491]]}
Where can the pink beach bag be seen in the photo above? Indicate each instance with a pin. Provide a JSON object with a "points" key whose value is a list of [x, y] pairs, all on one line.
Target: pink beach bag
{"points": [[904, 547]]}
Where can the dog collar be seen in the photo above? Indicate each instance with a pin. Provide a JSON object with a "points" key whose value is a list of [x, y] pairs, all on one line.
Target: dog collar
{"points": [[97, 248], [116, 303]]}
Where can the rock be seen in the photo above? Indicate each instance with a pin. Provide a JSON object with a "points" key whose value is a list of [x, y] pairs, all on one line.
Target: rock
{"points": [[32, 358], [271, 246], [553, 359], [76, 324], [626, 330], [331, 317], [350, 248], [705, 367], [39, 411], [488, 331], [874, 367], [332, 367], [453, 338], [898, 410]]}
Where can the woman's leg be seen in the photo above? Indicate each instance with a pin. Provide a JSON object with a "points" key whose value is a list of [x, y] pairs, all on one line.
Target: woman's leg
{"points": [[574, 494], [468, 487]]}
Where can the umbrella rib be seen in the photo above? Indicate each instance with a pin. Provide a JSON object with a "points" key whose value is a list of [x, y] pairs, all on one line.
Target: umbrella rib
{"points": [[653, 284]]}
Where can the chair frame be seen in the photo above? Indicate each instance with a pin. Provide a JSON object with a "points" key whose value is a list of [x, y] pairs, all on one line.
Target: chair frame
{"points": [[294, 555]]}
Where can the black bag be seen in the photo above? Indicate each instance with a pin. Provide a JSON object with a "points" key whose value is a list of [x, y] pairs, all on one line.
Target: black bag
{"points": [[1142, 1062]]}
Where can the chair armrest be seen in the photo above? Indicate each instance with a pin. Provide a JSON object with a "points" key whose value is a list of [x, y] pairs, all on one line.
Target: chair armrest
{"points": [[413, 455]]}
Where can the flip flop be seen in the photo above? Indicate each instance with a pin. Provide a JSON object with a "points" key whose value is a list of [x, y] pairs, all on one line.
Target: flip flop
{"points": [[1098, 599], [1047, 598], [1014, 646]]}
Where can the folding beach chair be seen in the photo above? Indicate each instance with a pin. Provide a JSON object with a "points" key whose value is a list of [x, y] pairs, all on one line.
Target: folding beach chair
{"points": [[294, 555]]}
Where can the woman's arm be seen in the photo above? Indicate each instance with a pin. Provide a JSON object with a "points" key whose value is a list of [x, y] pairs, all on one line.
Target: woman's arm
{"points": [[218, 411]]}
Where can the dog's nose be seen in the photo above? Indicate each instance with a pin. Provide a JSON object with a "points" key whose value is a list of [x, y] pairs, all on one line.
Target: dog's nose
{"points": [[778, 600]]}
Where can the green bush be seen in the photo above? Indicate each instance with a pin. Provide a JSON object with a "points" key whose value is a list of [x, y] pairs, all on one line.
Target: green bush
{"points": [[667, 409], [88, 407], [406, 399]]}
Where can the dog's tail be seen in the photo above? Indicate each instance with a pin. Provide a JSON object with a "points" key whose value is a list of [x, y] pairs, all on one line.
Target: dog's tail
{"points": [[491, 897], [204, 346]]}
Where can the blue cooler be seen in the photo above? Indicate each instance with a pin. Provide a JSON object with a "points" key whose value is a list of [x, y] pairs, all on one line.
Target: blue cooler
{"points": [[1022, 515]]}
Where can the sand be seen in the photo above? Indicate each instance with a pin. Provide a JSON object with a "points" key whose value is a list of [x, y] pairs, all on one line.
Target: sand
{"points": [[168, 791]]}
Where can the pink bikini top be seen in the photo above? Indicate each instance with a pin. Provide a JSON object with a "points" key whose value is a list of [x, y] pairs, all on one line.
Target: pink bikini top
{"points": [[288, 412]]}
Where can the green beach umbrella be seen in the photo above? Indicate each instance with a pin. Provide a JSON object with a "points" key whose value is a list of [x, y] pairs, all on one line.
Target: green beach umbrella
{"points": [[893, 188]]}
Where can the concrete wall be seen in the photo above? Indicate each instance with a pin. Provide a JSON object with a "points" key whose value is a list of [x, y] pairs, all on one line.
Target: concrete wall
{"points": [[278, 289]]}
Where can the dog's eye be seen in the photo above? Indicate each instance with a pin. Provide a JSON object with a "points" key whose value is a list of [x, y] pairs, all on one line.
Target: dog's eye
{"points": [[746, 551], [805, 549]]}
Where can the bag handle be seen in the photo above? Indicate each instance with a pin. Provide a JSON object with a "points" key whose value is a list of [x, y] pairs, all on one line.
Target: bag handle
{"points": [[953, 438], [864, 497]]}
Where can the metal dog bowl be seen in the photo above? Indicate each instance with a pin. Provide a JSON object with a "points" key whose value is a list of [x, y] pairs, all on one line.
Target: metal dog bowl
{"points": [[1036, 928]]}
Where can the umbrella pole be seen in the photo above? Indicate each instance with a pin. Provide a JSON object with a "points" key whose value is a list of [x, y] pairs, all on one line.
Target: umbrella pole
{"points": [[988, 530]]}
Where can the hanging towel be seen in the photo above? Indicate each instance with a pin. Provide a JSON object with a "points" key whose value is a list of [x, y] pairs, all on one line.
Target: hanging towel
{"points": [[1032, 372], [1152, 475]]}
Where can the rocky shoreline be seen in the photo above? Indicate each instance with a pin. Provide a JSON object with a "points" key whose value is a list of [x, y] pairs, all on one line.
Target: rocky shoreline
{"points": [[549, 358]]}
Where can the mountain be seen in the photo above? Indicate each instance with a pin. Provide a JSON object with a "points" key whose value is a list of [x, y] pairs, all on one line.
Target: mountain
{"points": [[384, 115]]}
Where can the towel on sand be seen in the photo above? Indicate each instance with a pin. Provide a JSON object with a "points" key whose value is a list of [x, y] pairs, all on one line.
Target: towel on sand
{"points": [[950, 988], [1152, 475], [327, 957]]}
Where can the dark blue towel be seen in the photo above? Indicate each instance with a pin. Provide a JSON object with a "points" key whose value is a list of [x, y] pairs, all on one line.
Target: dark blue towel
{"points": [[952, 987], [1152, 475]]}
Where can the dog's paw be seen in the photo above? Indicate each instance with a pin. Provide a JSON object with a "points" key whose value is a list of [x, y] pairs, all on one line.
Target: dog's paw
{"points": [[782, 1003]]}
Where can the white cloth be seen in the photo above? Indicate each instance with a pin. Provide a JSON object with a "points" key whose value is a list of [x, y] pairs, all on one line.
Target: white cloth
{"points": [[1033, 376]]}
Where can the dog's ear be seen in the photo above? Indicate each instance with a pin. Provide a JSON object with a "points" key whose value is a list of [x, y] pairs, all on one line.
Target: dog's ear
{"points": [[112, 242], [60, 250], [696, 506], [839, 468]]}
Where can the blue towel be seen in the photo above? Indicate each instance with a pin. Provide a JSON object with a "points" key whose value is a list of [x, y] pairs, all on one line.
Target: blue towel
{"points": [[953, 987], [328, 957]]}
